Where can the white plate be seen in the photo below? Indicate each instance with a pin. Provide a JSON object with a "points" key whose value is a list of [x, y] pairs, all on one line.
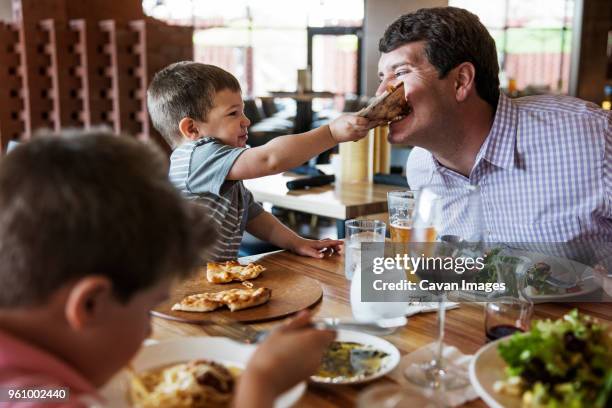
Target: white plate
{"points": [[486, 368], [388, 364], [219, 349], [563, 269]]}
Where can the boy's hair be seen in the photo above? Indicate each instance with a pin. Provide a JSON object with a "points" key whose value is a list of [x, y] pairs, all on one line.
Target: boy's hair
{"points": [[91, 204], [185, 89], [452, 36]]}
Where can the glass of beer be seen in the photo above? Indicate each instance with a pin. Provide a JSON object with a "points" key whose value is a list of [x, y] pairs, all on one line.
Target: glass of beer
{"points": [[401, 210]]}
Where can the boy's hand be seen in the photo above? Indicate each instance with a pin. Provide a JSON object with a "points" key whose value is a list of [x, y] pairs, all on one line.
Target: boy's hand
{"points": [[349, 127], [316, 248], [289, 355]]}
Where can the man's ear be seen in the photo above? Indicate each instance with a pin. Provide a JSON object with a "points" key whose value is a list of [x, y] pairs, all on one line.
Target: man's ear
{"points": [[87, 301], [189, 128], [465, 76]]}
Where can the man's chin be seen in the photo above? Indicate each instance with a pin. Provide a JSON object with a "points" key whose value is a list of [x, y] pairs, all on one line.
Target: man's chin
{"points": [[398, 132]]}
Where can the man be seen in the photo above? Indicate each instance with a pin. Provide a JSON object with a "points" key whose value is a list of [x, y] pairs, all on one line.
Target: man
{"points": [[542, 162]]}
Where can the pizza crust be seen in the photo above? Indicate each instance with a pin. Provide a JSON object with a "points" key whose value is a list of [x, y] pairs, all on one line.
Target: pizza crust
{"points": [[234, 299], [225, 272]]}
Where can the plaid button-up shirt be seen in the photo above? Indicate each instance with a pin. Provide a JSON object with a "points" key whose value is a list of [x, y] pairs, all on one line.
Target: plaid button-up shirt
{"points": [[544, 171]]}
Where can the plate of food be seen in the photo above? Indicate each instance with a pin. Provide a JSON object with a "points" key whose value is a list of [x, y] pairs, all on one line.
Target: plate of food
{"points": [[179, 372], [551, 278], [538, 277], [246, 292], [561, 363], [356, 357]]}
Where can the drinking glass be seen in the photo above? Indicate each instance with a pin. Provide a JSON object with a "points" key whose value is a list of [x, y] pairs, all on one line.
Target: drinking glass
{"points": [[356, 232], [450, 216], [401, 209], [507, 315]]}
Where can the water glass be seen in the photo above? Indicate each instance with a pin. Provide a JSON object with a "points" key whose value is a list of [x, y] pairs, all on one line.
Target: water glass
{"points": [[356, 232]]}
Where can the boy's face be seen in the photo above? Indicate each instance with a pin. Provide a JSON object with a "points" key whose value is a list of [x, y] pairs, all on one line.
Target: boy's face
{"points": [[226, 120], [120, 331]]}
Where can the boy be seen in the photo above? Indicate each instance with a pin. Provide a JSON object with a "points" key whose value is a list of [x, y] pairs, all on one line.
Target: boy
{"points": [[198, 109], [91, 236]]}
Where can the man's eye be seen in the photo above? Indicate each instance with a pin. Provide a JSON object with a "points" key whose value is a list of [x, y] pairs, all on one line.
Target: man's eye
{"points": [[402, 72]]}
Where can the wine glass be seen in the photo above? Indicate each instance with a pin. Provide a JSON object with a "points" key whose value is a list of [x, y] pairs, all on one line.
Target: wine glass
{"points": [[447, 223]]}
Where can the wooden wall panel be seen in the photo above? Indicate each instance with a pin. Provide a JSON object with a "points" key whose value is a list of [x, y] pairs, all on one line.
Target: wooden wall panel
{"points": [[11, 85], [71, 63]]}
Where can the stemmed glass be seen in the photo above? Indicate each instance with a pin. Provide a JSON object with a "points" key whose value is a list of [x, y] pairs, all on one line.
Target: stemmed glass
{"points": [[450, 216]]}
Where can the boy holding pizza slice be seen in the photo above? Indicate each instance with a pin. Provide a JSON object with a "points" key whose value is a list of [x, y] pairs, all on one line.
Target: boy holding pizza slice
{"points": [[92, 234], [199, 111]]}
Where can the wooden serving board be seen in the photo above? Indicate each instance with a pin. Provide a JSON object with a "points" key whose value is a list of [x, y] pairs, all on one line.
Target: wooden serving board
{"points": [[291, 292]]}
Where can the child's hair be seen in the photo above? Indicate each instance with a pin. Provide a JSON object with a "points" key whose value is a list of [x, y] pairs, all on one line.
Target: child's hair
{"points": [[185, 89], [92, 204]]}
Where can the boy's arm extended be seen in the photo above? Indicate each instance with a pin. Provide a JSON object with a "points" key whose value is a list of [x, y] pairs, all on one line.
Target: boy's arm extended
{"points": [[268, 228], [286, 152]]}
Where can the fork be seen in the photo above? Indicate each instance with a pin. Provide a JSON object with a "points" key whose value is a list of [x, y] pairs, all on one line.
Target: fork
{"points": [[245, 334]]}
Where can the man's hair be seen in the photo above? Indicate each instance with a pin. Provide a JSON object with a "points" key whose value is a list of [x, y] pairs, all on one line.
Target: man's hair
{"points": [[452, 36], [92, 204], [185, 89]]}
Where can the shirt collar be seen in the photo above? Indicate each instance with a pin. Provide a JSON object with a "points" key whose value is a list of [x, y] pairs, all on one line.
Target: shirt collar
{"points": [[499, 146], [20, 356]]}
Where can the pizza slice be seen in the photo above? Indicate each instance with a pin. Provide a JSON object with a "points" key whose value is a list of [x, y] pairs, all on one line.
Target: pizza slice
{"points": [[234, 299], [200, 302], [390, 106], [225, 272]]}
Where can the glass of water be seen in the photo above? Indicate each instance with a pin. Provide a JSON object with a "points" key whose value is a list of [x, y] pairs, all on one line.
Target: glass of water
{"points": [[356, 232]]}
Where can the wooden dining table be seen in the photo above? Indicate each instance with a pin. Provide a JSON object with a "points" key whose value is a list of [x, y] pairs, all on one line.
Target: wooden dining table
{"points": [[341, 200], [464, 325]]}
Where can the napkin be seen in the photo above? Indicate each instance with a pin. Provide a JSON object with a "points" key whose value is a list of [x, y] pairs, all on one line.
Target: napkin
{"points": [[423, 307], [424, 354]]}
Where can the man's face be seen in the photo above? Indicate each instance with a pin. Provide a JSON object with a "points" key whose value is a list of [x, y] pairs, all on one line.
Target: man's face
{"points": [[429, 98], [226, 121]]}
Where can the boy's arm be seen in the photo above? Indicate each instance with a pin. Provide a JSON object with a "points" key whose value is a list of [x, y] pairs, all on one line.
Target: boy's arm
{"points": [[286, 152], [268, 228]]}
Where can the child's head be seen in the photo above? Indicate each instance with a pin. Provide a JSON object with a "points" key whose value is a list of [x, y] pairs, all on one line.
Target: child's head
{"points": [[91, 235], [190, 100]]}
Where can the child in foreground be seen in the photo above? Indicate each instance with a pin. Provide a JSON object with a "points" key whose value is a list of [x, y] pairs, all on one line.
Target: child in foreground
{"points": [[92, 234], [199, 111]]}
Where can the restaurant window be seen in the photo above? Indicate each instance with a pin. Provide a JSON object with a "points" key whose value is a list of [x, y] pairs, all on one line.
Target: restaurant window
{"points": [[264, 42], [533, 39]]}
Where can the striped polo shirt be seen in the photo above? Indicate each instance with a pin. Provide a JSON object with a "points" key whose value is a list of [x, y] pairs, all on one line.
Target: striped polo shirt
{"points": [[199, 170]]}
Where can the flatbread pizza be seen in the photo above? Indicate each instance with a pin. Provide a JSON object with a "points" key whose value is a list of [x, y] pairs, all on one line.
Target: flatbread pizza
{"points": [[390, 106], [234, 299], [225, 272]]}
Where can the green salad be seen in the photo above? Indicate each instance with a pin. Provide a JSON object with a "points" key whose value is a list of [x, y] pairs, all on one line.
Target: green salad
{"points": [[499, 267], [562, 363]]}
